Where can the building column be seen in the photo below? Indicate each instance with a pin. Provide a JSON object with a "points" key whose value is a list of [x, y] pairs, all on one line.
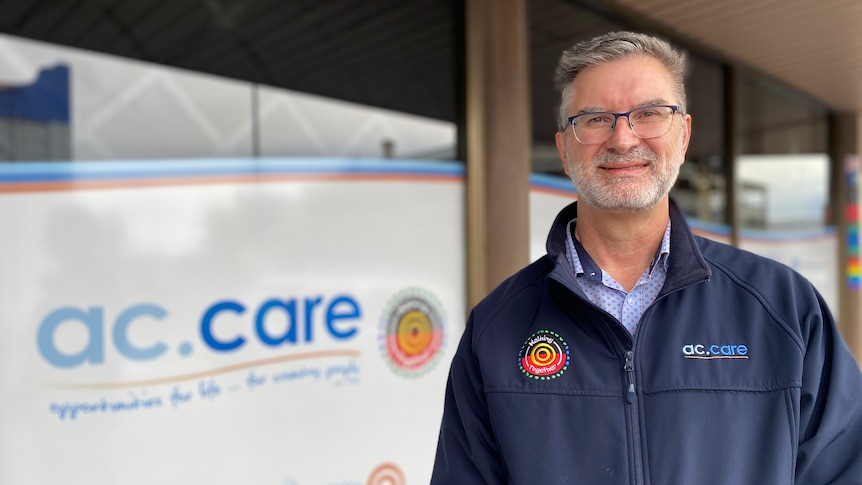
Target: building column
{"points": [[497, 141], [731, 150]]}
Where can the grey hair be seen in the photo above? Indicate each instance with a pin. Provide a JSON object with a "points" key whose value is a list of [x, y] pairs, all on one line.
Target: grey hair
{"points": [[614, 46]]}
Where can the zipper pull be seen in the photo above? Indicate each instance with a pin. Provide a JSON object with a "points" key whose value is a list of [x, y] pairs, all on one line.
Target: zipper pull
{"points": [[630, 370]]}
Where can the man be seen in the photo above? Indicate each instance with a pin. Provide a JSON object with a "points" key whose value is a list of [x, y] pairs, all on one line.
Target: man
{"points": [[636, 352]]}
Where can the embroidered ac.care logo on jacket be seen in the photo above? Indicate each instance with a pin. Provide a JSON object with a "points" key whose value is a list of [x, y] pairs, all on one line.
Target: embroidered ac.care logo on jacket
{"points": [[545, 355], [715, 351]]}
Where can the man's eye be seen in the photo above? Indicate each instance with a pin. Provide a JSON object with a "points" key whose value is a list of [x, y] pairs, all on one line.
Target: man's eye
{"points": [[597, 120], [646, 114]]}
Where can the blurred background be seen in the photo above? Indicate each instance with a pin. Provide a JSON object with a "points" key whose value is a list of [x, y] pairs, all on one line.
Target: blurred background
{"points": [[204, 198]]}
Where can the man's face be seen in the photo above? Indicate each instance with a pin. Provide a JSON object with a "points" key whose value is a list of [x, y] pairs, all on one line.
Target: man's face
{"points": [[625, 173]]}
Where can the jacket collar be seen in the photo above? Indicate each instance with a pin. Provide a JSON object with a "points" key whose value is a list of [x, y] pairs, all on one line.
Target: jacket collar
{"points": [[686, 264]]}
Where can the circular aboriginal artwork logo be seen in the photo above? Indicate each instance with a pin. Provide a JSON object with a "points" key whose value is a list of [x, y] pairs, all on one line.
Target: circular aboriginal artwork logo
{"points": [[412, 332], [545, 355], [386, 474]]}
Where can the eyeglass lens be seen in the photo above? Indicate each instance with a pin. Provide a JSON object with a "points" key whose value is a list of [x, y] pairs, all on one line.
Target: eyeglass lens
{"points": [[647, 122]]}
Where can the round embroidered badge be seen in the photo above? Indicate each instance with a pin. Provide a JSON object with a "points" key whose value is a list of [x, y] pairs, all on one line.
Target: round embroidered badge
{"points": [[545, 355]]}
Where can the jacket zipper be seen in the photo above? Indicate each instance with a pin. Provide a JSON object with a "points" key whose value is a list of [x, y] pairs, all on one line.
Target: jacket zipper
{"points": [[631, 397], [629, 367]]}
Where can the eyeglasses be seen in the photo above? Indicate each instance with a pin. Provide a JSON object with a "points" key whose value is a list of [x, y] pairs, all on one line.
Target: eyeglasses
{"points": [[645, 122]]}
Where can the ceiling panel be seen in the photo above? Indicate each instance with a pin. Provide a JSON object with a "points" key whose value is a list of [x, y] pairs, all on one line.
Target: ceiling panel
{"points": [[814, 46], [386, 53]]}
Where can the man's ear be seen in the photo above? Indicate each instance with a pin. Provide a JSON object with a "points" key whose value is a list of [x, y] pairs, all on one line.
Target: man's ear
{"points": [[561, 150], [686, 119]]}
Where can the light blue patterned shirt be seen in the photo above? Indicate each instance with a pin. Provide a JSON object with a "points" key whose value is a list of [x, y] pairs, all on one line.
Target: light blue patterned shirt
{"points": [[609, 295]]}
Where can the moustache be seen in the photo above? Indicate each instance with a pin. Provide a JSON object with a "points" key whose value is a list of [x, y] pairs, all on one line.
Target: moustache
{"points": [[630, 156]]}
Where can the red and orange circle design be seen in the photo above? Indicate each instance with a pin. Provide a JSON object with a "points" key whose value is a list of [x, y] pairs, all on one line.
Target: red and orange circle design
{"points": [[412, 332], [544, 356]]}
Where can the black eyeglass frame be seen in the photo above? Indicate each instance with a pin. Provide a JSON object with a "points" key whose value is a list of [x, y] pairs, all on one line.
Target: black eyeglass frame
{"points": [[674, 110]]}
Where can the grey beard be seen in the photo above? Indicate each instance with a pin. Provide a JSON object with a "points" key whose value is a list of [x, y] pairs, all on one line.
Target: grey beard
{"points": [[614, 197]]}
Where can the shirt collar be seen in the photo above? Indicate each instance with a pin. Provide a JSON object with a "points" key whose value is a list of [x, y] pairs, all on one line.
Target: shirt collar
{"points": [[583, 264]]}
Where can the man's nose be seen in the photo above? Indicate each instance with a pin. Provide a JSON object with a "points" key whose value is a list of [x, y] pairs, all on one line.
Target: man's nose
{"points": [[623, 136]]}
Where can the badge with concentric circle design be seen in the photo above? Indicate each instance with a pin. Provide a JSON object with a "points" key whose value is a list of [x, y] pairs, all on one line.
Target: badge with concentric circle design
{"points": [[545, 355], [412, 332]]}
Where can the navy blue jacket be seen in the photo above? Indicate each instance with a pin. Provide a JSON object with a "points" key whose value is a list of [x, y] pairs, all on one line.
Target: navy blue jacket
{"points": [[736, 375]]}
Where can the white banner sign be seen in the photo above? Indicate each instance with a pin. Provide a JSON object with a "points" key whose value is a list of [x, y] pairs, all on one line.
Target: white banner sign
{"points": [[227, 321]]}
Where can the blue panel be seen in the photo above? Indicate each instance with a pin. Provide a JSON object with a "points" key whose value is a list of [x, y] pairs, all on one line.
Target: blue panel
{"points": [[47, 99]]}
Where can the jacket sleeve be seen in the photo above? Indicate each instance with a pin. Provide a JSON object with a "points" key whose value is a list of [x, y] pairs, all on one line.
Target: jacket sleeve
{"points": [[830, 428], [467, 451]]}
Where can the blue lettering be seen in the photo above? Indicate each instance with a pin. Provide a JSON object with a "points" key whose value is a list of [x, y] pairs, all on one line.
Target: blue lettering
{"points": [[716, 351], [206, 326], [92, 320], [121, 328], [289, 308], [337, 317], [350, 312], [309, 306]]}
